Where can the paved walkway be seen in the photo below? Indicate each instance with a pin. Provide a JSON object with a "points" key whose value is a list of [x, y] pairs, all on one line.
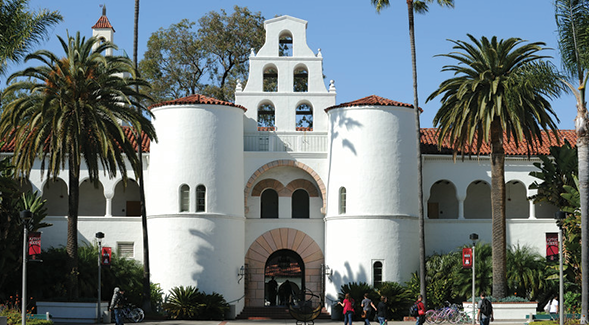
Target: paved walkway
{"points": [[274, 322]]}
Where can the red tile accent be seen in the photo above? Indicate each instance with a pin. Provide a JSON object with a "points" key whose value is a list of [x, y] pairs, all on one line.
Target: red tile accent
{"points": [[103, 23], [196, 99]]}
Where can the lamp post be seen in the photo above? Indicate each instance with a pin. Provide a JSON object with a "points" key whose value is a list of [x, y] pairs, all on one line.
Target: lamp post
{"points": [[474, 237], [26, 217], [99, 236], [560, 216]]}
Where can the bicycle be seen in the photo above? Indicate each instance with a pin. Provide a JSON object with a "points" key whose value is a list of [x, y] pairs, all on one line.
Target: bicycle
{"points": [[132, 313]]}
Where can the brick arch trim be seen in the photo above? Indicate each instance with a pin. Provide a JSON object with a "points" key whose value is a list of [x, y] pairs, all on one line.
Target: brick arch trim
{"points": [[271, 241], [286, 163], [268, 183]]}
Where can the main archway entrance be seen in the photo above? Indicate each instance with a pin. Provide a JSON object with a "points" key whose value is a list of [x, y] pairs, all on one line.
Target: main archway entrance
{"points": [[284, 276], [287, 254]]}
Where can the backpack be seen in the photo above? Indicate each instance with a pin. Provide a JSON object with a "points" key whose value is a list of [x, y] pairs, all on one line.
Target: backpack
{"points": [[486, 307], [414, 310]]}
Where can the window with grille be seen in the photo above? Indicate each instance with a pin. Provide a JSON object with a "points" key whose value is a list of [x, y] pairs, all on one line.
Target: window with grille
{"points": [[201, 192], [184, 198], [126, 249], [342, 200]]}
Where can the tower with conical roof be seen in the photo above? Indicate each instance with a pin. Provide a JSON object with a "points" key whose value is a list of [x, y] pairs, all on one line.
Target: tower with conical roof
{"points": [[104, 30]]}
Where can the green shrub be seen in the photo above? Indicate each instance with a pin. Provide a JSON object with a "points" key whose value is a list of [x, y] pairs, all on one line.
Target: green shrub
{"points": [[13, 317], [399, 299], [190, 303]]}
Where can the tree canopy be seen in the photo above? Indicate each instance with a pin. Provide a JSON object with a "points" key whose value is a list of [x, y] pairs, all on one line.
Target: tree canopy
{"points": [[21, 28], [181, 61]]}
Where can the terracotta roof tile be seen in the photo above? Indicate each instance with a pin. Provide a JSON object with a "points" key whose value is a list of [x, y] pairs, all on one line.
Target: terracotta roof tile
{"points": [[371, 100], [196, 99], [429, 144], [103, 23]]}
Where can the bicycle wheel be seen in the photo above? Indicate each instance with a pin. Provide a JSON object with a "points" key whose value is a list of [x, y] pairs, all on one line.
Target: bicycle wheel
{"points": [[453, 316], [429, 316], [136, 315], [439, 316]]}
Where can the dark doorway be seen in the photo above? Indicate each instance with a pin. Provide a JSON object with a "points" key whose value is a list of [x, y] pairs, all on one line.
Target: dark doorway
{"points": [[284, 277]]}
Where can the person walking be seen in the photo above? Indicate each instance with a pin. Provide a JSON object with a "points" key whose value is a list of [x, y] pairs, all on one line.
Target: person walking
{"points": [[381, 310], [348, 305], [420, 311], [367, 307], [116, 305], [485, 313]]}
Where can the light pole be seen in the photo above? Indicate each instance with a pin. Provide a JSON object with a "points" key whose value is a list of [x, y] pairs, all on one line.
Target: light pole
{"points": [[99, 236], [26, 217], [560, 216], [474, 237]]}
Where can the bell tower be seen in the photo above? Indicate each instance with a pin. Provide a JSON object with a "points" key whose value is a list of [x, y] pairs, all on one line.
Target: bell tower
{"points": [[104, 30], [285, 91]]}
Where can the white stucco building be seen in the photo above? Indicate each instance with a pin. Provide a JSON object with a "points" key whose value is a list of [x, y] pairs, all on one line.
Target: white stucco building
{"points": [[286, 182]]}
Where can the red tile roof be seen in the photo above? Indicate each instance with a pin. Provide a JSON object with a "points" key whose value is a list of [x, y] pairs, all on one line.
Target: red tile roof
{"points": [[371, 100], [103, 23], [429, 144], [196, 99]]}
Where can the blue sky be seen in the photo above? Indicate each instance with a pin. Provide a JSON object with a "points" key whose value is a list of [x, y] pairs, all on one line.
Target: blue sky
{"points": [[364, 52]]}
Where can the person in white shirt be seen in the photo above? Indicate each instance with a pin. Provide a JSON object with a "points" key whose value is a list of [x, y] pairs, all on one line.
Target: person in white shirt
{"points": [[554, 306]]}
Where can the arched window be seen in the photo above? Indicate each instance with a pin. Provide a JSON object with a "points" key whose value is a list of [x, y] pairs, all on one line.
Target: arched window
{"points": [[269, 204], [377, 273], [270, 79], [342, 200], [300, 80], [300, 204], [266, 116], [201, 192], [285, 44], [304, 117], [184, 198]]}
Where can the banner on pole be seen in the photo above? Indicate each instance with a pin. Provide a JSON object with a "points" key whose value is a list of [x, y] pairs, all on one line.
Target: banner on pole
{"points": [[552, 247], [34, 244], [467, 258], [105, 256]]}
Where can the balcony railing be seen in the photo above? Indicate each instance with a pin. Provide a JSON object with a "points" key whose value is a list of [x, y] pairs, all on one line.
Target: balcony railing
{"points": [[286, 141]]}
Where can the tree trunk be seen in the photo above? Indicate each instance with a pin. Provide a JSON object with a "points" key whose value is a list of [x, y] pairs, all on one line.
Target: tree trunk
{"points": [[499, 246], [72, 230], [422, 270], [583, 154], [146, 303]]}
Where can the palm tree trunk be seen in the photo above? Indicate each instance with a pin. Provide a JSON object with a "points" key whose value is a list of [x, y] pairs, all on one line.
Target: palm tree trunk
{"points": [[146, 304], [498, 211], [422, 271], [583, 154], [72, 229]]}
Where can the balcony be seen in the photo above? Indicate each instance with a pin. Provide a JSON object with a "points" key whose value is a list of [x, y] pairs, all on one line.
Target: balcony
{"points": [[286, 141]]}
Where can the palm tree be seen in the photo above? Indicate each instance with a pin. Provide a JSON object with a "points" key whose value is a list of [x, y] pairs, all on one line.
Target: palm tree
{"points": [[572, 21], [419, 6], [25, 28], [146, 305], [73, 115], [500, 89]]}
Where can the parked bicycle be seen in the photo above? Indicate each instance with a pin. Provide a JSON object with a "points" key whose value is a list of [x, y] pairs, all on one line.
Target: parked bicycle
{"points": [[131, 313], [450, 313]]}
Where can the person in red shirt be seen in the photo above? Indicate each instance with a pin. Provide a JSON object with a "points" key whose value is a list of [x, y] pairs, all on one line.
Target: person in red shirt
{"points": [[420, 311], [348, 305]]}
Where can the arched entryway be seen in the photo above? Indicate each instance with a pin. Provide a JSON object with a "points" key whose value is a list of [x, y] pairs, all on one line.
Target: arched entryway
{"points": [[284, 276], [287, 246]]}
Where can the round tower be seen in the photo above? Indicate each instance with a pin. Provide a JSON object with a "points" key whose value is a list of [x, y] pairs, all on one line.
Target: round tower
{"points": [[195, 198], [371, 224]]}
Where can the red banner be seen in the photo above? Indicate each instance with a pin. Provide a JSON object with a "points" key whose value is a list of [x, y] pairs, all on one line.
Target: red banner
{"points": [[34, 243], [467, 258], [552, 247], [105, 256]]}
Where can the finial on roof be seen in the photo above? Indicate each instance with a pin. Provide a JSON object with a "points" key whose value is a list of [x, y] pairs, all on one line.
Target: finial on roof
{"points": [[331, 85], [252, 53], [238, 87], [104, 9], [319, 53]]}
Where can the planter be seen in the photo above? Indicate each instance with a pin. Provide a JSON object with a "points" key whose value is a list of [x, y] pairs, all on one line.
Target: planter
{"points": [[71, 312], [507, 310]]}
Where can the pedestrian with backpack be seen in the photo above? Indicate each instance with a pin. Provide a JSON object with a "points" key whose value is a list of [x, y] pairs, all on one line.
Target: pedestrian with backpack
{"points": [[485, 313], [420, 311]]}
